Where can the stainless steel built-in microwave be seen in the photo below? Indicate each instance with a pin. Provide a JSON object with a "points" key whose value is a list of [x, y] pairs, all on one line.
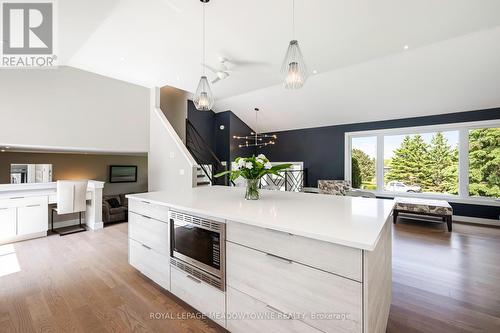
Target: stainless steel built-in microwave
{"points": [[198, 247]]}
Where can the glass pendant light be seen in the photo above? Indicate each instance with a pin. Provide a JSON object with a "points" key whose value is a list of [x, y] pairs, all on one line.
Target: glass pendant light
{"points": [[203, 99], [294, 67]]}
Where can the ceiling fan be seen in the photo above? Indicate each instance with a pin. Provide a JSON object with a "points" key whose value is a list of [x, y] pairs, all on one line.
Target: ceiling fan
{"points": [[222, 72]]}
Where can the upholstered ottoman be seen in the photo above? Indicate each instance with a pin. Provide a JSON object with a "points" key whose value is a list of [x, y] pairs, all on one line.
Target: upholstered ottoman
{"points": [[439, 208]]}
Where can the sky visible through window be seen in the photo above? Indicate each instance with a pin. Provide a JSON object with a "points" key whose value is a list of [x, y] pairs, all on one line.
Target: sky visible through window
{"points": [[392, 142]]}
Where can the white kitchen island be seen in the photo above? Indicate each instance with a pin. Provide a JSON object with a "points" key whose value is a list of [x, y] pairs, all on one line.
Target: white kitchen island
{"points": [[294, 262]]}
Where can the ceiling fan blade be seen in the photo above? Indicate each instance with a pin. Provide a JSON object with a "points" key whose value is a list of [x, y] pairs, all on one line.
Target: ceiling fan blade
{"points": [[210, 68], [215, 80], [247, 63]]}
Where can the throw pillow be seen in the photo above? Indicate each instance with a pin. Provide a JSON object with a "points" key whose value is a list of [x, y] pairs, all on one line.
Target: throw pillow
{"points": [[113, 202]]}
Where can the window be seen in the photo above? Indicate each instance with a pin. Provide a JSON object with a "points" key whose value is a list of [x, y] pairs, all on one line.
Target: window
{"points": [[364, 152], [453, 160], [484, 162], [421, 163]]}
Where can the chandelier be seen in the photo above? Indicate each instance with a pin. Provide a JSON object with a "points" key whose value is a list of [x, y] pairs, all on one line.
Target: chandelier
{"points": [[256, 139]]}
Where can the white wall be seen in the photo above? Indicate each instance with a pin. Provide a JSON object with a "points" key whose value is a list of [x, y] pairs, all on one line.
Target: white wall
{"points": [[170, 165], [173, 103], [69, 108]]}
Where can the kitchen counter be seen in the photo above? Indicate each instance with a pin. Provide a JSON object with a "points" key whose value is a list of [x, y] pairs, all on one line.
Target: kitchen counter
{"points": [[325, 258], [350, 221], [8, 191]]}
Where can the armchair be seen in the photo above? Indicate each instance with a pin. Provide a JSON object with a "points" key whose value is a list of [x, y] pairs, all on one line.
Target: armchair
{"points": [[114, 208]]}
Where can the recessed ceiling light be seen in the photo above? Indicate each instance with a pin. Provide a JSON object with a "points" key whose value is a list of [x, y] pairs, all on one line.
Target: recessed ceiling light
{"points": [[7, 147], [3, 150], [122, 58], [406, 47], [315, 71]]}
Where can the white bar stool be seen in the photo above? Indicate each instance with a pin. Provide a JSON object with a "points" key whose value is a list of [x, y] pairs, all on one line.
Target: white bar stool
{"points": [[71, 198]]}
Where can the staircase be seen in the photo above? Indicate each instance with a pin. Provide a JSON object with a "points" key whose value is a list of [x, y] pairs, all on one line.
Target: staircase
{"points": [[208, 163], [202, 176]]}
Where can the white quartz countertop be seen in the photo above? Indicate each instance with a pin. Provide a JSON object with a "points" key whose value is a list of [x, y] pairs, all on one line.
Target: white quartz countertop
{"points": [[350, 221], [9, 191]]}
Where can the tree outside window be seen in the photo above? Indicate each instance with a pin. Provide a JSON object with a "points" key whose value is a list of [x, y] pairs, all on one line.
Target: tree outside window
{"points": [[425, 163], [484, 162]]}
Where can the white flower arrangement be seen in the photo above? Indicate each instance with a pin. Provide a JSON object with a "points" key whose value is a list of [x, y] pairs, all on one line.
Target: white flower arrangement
{"points": [[253, 168]]}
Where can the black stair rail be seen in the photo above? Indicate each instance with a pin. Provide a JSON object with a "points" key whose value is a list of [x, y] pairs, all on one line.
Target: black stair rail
{"points": [[204, 155], [290, 180]]}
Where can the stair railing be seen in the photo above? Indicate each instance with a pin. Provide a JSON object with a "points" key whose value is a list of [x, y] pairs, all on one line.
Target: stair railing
{"points": [[204, 155]]}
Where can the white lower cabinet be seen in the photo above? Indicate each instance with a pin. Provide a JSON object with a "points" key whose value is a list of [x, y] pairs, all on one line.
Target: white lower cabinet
{"points": [[328, 302], [23, 218], [149, 241], [32, 218], [201, 296], [150, 232], [8, 222], [152, 264], [246, 314]]}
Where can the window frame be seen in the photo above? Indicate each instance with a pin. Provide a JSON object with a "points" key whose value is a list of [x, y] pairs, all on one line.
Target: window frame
{"points": [[463, 129]]}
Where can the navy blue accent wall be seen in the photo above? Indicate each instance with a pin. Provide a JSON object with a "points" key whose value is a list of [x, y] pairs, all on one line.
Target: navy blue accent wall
{"points": [[222, 136], [203, 121], [239, 128], [208, 124], [322, 148]]}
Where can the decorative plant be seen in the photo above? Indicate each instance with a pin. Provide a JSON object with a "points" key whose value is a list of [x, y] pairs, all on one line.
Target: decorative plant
{"points": [[253, 169]]}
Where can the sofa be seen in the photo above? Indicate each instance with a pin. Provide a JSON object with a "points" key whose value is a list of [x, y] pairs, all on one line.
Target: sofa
{"points": [[114, 208]]}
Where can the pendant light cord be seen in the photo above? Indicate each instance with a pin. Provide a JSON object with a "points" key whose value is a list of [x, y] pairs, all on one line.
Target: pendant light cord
{"points": [[203, 43], [256, 127], [293, 19]]}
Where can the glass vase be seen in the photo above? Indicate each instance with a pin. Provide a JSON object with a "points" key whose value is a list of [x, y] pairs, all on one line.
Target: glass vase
{"points": [[252, 192]]}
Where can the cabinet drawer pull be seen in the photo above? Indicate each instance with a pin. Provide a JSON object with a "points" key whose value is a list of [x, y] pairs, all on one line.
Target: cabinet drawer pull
{"points": [[146, 202], [146, 217], [145, 246], [33, 205], [16, 198], [273, 309], [4, 208], [193, 278], [288, 261]]}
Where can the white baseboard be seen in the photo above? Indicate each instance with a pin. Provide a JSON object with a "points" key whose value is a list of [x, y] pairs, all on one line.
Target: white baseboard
{"points": [[96, 226]]}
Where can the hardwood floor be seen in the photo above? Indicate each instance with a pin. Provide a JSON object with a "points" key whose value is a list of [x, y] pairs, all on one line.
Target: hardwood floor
{"points": [[83, 283], [445, 282], [442, 282]]}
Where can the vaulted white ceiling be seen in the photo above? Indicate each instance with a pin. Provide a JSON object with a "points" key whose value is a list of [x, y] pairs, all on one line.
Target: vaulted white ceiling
{"points": [[356, 46]]}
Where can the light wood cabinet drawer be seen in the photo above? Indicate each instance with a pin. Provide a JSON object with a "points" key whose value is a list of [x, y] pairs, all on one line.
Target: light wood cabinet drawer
{"points": [[248, 315], [201, 296], [150, 232], [296, 288], [148, 209], [330, 257], [150, 263]]}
